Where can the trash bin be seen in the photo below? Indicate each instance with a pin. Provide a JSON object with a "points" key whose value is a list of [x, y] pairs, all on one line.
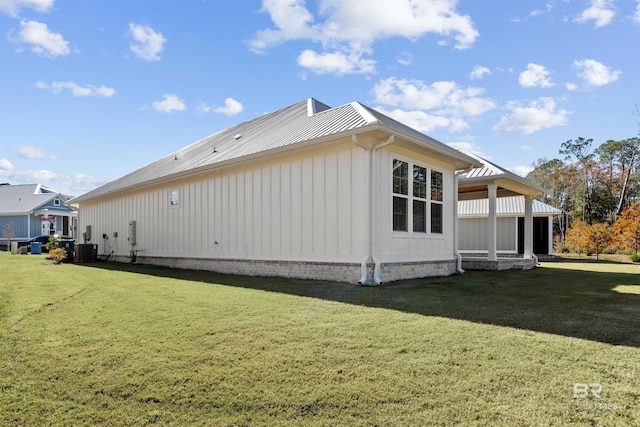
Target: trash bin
{"points": [[14, 248], [36, 248]]}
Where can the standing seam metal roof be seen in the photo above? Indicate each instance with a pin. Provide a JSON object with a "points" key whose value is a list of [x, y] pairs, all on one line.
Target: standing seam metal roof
{"points": [[282, 128], [513, 205]]}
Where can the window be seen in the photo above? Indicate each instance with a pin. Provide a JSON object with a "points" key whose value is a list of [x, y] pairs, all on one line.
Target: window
{"points": [[425, 200], [436, 202], [400, 195], [174, 198], [56, 202], [419, 199]]}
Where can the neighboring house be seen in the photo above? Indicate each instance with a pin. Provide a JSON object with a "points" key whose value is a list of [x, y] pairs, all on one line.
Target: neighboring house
{"points": [[33, 210], [473, 217], [308, 191]]}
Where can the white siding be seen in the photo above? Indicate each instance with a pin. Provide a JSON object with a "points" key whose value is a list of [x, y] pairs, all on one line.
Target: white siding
{"points": [[308, 209], [473, 234]]}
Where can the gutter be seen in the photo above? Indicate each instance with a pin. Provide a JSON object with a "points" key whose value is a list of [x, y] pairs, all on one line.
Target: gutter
{"points": [[456, 251], [364, 276]]}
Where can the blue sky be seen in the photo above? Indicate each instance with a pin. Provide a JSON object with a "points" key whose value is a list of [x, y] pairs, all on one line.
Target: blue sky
{"points": [[92, 90]]}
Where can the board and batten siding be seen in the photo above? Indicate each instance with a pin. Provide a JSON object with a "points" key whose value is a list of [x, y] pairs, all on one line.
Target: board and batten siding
{"points": [[307, 208], [472, 234]]}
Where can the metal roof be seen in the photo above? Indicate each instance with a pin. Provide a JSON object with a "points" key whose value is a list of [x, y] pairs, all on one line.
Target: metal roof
{"points": [[25, 198], [490, 172], [507, 206], [309, 121]]}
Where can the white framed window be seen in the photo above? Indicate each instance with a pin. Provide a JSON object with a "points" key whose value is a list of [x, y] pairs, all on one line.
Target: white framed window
{"points": [[417, 199], [56, 202]]}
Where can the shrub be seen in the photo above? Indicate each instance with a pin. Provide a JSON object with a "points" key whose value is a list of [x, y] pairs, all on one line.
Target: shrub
{"points": [[51, 244], [635, 256], [58, 255]]}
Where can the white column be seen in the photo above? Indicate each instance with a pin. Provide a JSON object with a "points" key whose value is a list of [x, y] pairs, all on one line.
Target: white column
{"points": [[528, 227], [492, 223], [550, 227]]}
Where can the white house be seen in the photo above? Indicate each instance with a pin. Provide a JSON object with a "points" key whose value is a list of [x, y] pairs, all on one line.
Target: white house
{"points": [[308, 191], [485, 192], [510, 213]]}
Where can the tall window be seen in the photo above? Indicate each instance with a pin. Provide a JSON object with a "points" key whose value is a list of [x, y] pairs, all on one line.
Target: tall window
{"points": [[436, 202], [400, 195], [417, 198]]}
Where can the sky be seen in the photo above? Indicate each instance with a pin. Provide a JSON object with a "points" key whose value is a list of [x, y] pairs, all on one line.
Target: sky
{"points": [[93, 90]]}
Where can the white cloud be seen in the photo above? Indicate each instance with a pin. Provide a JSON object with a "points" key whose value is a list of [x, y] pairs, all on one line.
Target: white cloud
{"points": [[13, 7], [535, 76], [5, 165], [76, 182], [169, 104], [42, 41], [595, 73], [29, 152], [444, 97], [335, 63], [77, 90], [522, 171], [147, 44], [347, 29], [479, 72], [600, 11], [424, 122], [540, 114], [405, 58], [231, 107], [571, 86], [636, 14]]}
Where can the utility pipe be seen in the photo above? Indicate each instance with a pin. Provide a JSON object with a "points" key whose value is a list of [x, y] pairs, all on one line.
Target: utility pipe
{"points": [[364, 276]]}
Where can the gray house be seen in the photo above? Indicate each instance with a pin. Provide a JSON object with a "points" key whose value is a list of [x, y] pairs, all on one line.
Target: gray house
{"points": [[32, 210]]}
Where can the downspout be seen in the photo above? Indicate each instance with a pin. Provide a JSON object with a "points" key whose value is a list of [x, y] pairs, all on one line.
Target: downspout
{"points": [[370, 207], [456, 252]]}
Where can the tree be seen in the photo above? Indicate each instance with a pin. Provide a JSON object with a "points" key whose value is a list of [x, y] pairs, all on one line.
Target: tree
{"points": [[595, 238], [8, 233], [573, 240], [626, 229], [579, 149]]}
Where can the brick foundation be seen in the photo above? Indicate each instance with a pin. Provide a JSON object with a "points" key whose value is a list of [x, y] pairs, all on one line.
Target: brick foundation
{"points": [[329, 271]]}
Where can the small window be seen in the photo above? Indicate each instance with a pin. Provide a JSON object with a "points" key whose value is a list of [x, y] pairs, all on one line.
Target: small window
{"points": [[419, 216], [174, 199], [436, 186], [399, 214], [400, 177], [56, 202], [436, 218]]}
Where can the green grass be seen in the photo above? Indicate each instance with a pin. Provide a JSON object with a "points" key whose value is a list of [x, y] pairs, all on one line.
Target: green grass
{"points": [[120, 344]]}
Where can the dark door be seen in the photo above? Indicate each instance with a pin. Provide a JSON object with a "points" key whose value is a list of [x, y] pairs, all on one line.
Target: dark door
{"points": [[540, 235]]}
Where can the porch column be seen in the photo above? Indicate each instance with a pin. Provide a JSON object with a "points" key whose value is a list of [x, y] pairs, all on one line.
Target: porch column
{"points": [[492, 223], [528, 227], [550, 237]]}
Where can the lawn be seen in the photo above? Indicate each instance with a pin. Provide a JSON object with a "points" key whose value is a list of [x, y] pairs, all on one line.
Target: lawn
{"points": [[121, 344]]}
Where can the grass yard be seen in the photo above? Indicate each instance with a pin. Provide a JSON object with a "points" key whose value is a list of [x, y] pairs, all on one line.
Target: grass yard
{"points": [[120, 344]]}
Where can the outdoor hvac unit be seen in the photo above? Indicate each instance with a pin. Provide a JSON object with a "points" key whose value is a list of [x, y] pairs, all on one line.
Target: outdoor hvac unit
{"points": [[86, 253], [132, 233]]}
